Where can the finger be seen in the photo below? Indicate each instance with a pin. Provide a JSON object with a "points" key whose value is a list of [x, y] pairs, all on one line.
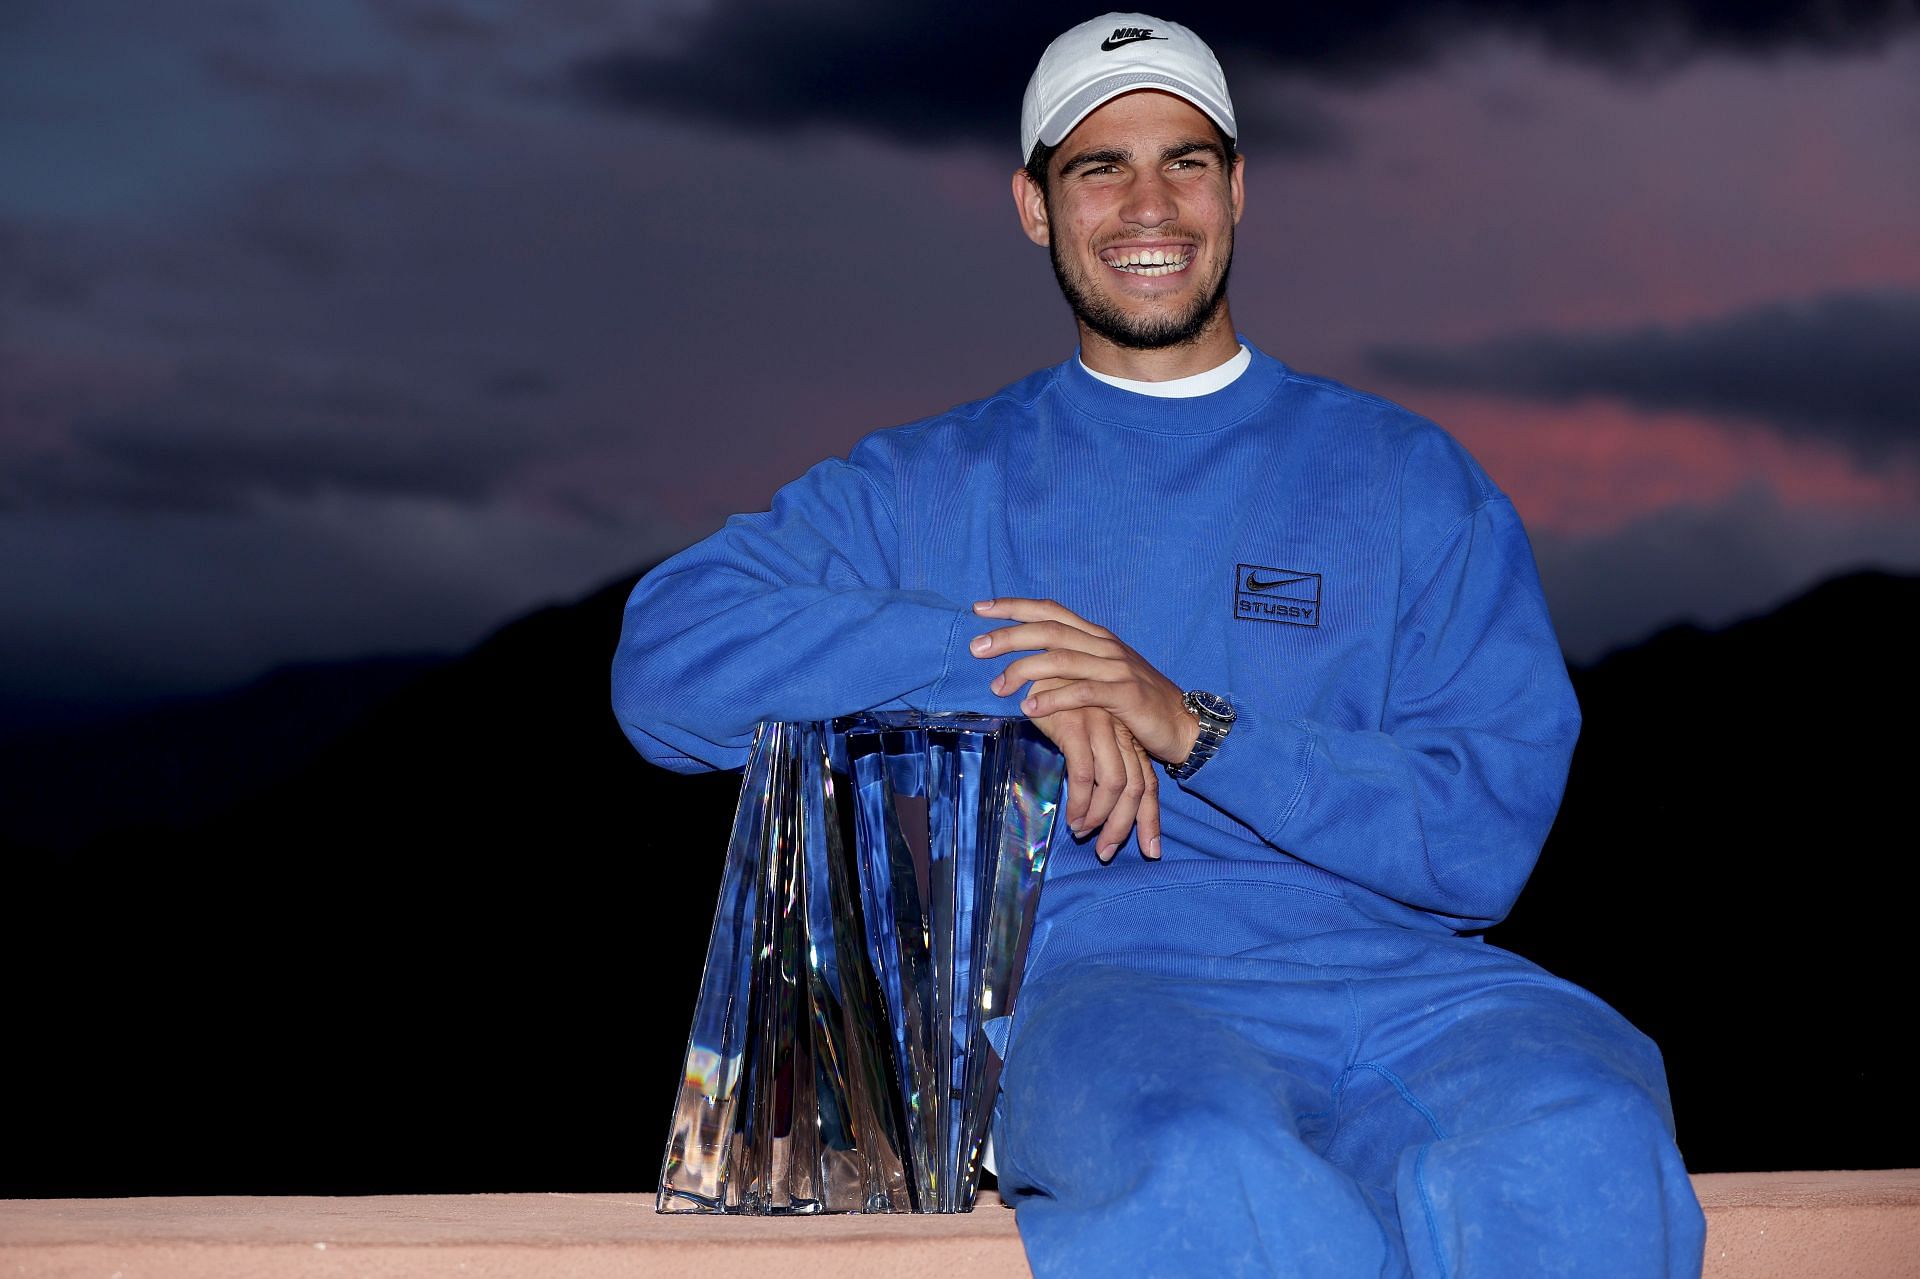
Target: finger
{"points": [[1069, 733], [1076, 752], [1073, 695], [1032, 610], [1109, 773], [1035, 636], [1120, 821], [1147, 823], [1061, 665]]}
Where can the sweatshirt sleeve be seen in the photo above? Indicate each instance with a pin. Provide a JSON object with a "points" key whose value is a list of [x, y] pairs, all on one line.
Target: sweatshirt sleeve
{"points": [[1446, 806], [794, 613]]}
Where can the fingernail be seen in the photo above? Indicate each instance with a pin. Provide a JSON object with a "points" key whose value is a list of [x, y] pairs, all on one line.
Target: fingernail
{"points": [[980, 644], [1106, 852], [983, 603], [1079, 832], [999, 685], [1028, 705], [1153, 849]]}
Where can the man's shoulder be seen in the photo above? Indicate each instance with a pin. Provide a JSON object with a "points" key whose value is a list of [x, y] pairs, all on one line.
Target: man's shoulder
{"points": [[1015, 397], [961, 424], [1392, 420], [1428, 455]]}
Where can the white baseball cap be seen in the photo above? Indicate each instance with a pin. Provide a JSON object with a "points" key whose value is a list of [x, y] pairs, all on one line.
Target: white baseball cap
{"points": [[1113, 54]]}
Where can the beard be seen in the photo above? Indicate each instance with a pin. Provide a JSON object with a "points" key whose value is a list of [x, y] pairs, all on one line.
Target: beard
{"points": [[1139, 333]]}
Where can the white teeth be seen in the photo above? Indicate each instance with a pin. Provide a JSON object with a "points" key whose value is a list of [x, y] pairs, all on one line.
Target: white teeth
{"points": [[1151, 261]]}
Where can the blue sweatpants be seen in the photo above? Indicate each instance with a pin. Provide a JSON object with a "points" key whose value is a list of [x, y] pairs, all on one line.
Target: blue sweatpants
{"points": [[1357, 1099]]}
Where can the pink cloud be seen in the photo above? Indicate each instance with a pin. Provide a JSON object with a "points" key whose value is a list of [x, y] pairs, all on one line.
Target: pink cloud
{"points": [[1593, 467]]}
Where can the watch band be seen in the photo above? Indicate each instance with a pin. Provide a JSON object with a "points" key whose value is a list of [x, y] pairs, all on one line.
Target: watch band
{"points": [[1216, 715]]}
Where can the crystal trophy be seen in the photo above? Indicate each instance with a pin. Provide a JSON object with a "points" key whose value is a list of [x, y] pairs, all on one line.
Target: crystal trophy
{"points": [[874, 915]]}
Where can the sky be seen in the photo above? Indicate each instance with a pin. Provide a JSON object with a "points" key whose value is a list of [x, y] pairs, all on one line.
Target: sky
{"points": [[331, 329]]}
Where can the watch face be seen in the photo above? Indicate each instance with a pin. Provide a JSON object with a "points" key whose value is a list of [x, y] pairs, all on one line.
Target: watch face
{"points": [[1212, 705]]}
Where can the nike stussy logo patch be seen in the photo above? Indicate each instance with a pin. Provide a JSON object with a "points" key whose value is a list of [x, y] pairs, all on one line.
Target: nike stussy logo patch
{"points": [[1262, 594]]}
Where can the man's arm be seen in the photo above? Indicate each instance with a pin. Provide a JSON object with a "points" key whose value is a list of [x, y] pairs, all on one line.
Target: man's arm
{"points": [[794, 614], [1445, 807]]}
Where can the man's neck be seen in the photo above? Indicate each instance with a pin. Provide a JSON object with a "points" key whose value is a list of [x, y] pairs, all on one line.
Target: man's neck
{"points": [[1215, 345]]}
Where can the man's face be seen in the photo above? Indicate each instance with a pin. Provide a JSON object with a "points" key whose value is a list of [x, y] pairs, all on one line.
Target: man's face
{"points": [[1139, 220]]}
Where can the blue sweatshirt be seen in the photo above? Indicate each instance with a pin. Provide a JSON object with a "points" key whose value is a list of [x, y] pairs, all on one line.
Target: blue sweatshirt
{"points": [[1338, 567]]}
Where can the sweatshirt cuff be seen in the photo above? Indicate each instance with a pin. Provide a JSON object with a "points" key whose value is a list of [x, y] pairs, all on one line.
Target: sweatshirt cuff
{"points": [[963, 681], [1260, 773]]}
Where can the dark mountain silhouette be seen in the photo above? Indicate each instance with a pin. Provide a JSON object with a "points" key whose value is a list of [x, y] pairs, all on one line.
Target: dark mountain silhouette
{"points": [[1733, 869], [457, 949], [185, 761], [449, 938]]}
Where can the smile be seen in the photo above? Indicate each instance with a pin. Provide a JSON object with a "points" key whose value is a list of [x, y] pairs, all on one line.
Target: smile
{"points": [[1163, 261]]}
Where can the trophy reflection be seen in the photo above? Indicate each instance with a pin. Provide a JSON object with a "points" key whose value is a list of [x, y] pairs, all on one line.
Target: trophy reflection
{"points": [[874, 914]]}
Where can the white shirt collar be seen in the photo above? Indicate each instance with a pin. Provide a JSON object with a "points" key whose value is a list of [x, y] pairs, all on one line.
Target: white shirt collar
{"points": [[1182, 388]]}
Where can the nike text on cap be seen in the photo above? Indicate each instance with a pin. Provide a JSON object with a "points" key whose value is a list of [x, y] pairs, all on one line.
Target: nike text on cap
{"points": [[1098, 61]]}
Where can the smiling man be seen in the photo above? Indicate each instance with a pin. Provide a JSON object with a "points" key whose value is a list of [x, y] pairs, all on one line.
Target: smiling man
{"points": [[1143, 263], [1291, 641]]}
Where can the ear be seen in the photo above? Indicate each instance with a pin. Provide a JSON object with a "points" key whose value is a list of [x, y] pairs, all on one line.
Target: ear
{"points": [[1237, 186], [1032, 206]]}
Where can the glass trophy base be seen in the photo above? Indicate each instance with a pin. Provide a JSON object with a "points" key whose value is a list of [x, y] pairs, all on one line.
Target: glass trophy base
{"points": [[874, 915]]}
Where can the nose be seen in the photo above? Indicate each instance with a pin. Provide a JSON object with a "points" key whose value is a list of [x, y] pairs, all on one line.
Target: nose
{"points": [[1150, 200]]}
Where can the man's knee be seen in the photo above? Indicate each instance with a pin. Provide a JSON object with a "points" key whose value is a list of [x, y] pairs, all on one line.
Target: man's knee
{"points": [[1087, 1108], [1546, 1054], [1204, 1181], [1585, 1180], [1112, 1080]]}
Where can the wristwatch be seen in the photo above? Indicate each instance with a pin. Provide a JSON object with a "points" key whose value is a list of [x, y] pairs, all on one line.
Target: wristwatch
{"points": [[1216, 717]]}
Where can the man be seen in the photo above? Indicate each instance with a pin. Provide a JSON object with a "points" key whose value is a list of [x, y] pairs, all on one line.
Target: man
{"points": [[1291, 641]]}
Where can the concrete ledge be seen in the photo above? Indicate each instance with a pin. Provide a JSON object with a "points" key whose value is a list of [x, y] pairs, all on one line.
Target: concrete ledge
{"points": [[1772, 1225], [1761, 1225]]}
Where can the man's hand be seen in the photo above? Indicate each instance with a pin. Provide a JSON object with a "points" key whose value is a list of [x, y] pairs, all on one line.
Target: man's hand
{"points": [[1083, 675], [1111, 785]]}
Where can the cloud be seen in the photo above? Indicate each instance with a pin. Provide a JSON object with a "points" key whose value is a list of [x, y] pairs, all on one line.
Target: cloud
{"points": [[432, 22], [219, 438], [92, 613], [40, 269], [1839, 368], [925, 77], [375, 92], [519, 383]]}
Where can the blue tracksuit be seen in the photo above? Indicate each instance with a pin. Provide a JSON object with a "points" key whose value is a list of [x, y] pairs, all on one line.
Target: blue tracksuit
{"points": [[1274, 1051]]}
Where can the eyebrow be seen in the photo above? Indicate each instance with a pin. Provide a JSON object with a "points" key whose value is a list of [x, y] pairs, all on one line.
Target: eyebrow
{"points": [[1197, 145], [1105, 155], [1123, 155]]}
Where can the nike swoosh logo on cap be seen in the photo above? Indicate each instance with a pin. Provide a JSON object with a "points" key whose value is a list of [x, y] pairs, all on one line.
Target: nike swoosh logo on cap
{"points": [[1109, 45]]}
